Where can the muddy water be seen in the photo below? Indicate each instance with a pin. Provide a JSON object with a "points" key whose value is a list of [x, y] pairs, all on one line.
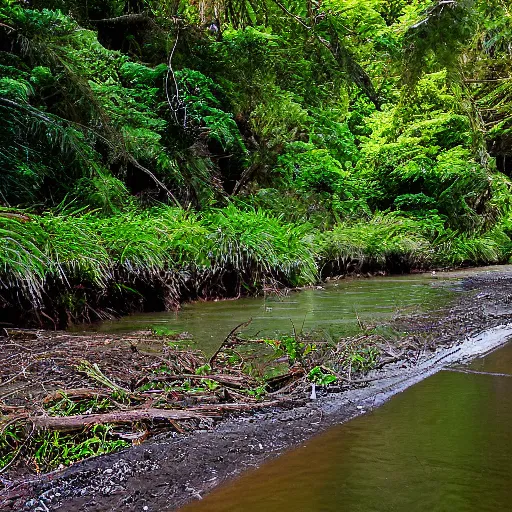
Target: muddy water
{"points": [[332, 310], [498, 361], [443, 445]]}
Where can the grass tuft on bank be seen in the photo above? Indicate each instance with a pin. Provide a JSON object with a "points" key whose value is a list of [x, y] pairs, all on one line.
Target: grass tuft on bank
{"points": [[70, 266], [73, 267]]}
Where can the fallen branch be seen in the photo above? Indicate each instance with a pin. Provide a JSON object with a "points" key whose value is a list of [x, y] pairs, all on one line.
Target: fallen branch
{"points": [[67, 423], [227, 338], [286, 388], [282, 382], [80, 421], [236, 407], [76, 393], [226, 380]]}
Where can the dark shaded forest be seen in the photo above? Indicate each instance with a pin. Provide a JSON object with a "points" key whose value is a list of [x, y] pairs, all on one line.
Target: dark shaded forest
{"points": [[154, 152]]}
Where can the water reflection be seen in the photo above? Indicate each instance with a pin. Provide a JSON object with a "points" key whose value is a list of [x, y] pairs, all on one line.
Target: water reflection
{"points": [[498, 361]]}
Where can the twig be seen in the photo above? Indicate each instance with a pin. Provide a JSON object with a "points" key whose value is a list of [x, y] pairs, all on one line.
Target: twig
{"points": [[14, 391], [18, 451], [8, 27], [176, 97], [226, 339], [136, 164], [15, 377], [298, 19]]}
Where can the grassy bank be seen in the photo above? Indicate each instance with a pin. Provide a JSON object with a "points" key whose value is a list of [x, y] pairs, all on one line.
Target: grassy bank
{"points": [[62, 268], [65, 268]]}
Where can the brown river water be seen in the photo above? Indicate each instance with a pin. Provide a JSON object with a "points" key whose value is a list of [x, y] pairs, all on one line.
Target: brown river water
{"points": [[443, 445]]}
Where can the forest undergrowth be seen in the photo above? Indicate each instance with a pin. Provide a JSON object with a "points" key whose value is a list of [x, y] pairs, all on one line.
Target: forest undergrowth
{"points": [[156, 152]]}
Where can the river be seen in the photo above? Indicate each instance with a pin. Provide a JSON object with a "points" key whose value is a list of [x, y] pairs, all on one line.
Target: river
{"points": [[444, 444], [332, 310]]}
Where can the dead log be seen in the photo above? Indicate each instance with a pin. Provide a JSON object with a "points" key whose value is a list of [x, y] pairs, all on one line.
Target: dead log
{"points": [[81, 421], [80, 393], [67, 423]]}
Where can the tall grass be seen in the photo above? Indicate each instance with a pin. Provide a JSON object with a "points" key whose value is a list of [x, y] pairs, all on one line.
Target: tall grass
{"points": [[74, 249], [23, 262], [153, 240], [254, 241], [375, 244], [456, 249], [394, 243], [162, 251]]}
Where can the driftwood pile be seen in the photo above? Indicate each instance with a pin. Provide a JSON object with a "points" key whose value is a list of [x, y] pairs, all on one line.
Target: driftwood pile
{"points": [[144, 383], [141, 383]]}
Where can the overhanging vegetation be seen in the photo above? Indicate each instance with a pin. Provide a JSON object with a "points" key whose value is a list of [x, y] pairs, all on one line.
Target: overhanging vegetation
{"points": [[153, 152]]}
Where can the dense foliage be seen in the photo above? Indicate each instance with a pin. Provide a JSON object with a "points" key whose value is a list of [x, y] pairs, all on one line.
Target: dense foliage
{"points": [[156, 151]]}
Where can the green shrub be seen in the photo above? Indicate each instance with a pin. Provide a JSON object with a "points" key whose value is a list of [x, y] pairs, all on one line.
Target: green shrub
{"points": [[375, 243], [457, 249], [313, 169], [267, 247]]}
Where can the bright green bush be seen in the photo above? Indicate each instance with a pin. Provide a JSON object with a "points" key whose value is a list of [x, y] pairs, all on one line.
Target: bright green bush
{"points": [[314, 169], [455, 249], [373, 243]]}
